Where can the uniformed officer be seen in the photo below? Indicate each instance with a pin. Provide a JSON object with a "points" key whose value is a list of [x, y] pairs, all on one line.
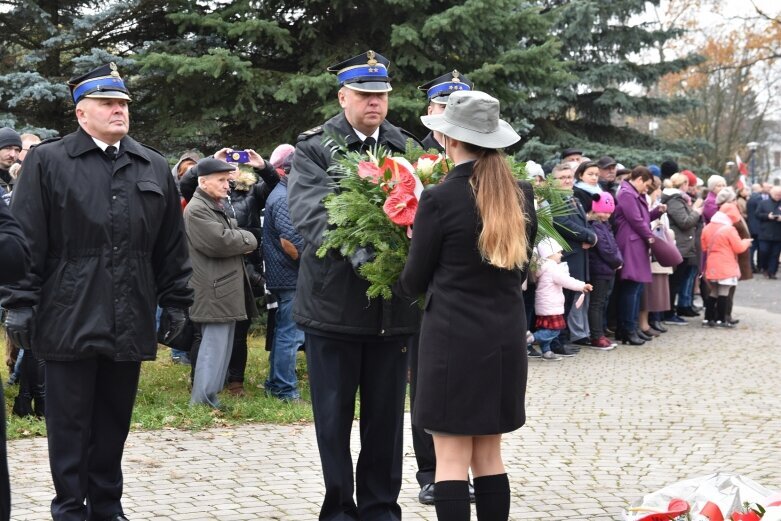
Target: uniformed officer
{"points": [[351, 342], [102, 217], [438, 91]]}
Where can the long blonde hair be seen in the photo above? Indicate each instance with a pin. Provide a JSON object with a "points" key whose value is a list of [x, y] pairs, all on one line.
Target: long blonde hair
{"points": [[500, 204]]}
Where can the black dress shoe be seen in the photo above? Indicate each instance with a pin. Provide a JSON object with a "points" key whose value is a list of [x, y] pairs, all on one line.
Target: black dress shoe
{"points": [[563, 351], [658, 327], [643, 336], [687, 312], [585, 341], [650, 332], [633, 339], [426, 495], [118, 517]]}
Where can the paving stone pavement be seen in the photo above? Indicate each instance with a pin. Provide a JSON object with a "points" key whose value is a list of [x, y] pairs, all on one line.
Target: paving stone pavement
{"points": [[602, 429]]}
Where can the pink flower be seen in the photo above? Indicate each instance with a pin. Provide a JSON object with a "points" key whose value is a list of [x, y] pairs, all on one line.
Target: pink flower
{"points": [[400, 207], [370, 171]]}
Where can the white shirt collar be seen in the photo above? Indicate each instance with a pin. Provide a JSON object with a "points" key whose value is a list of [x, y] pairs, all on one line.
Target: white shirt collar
{"points": [[362, 136], [103, 146]]}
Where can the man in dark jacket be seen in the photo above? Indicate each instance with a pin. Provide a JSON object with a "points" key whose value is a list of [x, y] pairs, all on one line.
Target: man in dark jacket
{"points": [[574, 228], [282, 246], [754, 224], [14, 262], [438, 91], [351, 341], [10, 147], [769, 214], [102, 217]]}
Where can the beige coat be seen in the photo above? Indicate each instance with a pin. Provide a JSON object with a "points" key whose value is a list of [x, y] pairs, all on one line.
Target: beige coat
{"points": [[217, 247]]}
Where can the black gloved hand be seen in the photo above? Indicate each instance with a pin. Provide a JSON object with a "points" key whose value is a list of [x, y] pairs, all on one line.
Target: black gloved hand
{"points": [[361, 257], [19, 326], [172, 321]]}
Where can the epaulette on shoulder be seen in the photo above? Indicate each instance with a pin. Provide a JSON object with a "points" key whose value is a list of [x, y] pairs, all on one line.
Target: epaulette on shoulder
{"points": [[152, 149], [309, 133]]}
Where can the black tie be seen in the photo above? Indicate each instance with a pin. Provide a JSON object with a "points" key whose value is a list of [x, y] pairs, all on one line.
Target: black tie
{"points": [[111, 152], [368, 143]]}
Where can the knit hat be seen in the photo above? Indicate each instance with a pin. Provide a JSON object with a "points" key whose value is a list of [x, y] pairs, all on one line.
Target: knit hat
{"points": [[603, 203], [534, 169], [715, 180], [691, 177], [548, 247], [726, 195], [282, 156], [668, 167], [9, 138]]}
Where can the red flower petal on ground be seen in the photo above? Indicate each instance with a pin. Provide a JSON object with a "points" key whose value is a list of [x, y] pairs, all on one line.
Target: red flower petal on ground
{"points": [[400, 207], [400, 176], [370, 171]]}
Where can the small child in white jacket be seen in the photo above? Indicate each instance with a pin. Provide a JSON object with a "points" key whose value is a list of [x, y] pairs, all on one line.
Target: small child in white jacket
{"points": [[552, 277]]}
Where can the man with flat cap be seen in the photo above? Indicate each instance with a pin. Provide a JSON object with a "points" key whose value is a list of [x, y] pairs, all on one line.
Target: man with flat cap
{"points": [[351, 342], [572, 155], [438, 91], [223, 293], [102, 217]]}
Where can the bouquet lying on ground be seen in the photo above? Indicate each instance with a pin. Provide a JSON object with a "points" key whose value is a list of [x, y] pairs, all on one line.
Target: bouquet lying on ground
{"points": [[376, 199]]}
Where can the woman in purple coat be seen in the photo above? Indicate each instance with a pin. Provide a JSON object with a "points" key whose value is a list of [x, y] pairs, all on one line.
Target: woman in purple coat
{"points": [[633, 235]]}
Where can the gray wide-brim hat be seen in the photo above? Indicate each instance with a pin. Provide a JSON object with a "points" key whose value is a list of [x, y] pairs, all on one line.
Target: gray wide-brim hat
{"points": [[473, 117]]}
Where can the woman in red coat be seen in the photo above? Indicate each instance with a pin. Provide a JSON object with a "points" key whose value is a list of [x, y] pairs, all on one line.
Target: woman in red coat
{"points": [[472, 239]]}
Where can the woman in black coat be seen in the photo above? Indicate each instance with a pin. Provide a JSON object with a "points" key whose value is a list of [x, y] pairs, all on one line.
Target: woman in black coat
{"points": [[472, 239]]}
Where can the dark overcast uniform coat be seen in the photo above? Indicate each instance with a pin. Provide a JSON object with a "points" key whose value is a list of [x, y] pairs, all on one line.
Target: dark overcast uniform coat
{"points": [[107, 243]]}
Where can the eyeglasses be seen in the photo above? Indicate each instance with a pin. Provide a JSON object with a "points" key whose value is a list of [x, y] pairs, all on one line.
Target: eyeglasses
{"points": [[564, 177]]}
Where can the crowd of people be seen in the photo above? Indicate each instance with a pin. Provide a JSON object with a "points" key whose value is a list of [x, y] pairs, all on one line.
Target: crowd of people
{"points": [[639, 244], [126, 252]]}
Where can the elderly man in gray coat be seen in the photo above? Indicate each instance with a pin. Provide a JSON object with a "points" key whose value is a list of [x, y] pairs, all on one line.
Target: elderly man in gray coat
{"points": [[222, 291]]}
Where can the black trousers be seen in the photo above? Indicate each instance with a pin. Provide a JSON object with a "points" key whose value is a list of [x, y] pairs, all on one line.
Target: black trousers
{"points": [[5, 489], [238, 363], [422, 442], [338, 368], [88, 409]]}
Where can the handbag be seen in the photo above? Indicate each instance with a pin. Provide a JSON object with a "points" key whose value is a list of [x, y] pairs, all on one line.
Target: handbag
{"points": [[664, 250]]}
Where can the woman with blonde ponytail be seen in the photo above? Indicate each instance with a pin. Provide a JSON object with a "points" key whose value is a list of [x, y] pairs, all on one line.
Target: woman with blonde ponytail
{"points": [[471, 244]]}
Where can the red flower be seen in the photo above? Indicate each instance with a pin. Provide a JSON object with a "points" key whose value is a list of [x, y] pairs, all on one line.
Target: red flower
{"points": [[370, 171], [400, 207], [399, 176]]}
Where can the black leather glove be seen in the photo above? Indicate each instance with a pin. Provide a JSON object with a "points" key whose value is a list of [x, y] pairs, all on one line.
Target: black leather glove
{"points": [[361, 257], [172, 321], [19, 326]]}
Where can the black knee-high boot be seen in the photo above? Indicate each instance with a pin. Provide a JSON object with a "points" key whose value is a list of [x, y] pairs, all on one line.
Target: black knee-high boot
{"points": [[451, 500], [492, 498], [710, 311], [721, 311]]}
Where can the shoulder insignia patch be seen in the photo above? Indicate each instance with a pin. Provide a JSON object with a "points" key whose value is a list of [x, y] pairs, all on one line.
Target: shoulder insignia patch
{"points": [[311, 132]]}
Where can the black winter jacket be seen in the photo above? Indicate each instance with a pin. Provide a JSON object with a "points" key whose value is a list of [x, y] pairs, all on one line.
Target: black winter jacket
{"points": [[107, 244], [768, 230], [331, 298]]}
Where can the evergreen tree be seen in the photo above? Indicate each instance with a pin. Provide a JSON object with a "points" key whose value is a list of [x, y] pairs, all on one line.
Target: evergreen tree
{"points": [[251, 73], [608, 51], [42, 44]]}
